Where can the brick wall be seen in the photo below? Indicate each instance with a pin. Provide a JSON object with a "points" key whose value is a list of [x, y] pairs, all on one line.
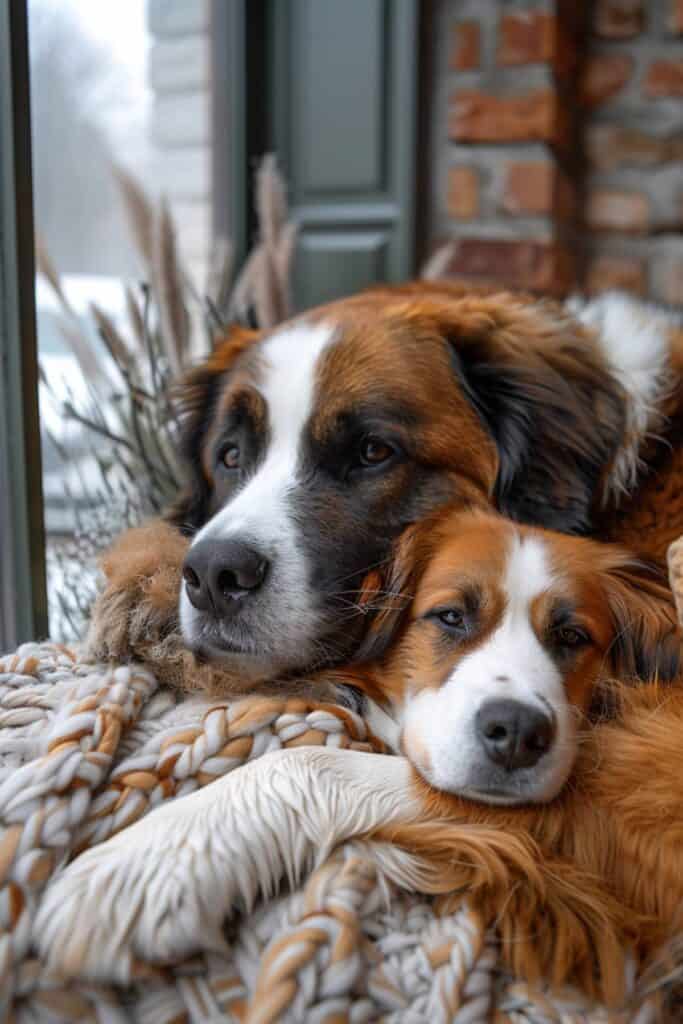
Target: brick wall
{"points": [[555, 142], [633, 138]]}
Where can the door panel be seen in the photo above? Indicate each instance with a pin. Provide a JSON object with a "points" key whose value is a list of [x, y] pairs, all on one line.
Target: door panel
{"points": [[341, 86], [338, 97], [338, 262]]}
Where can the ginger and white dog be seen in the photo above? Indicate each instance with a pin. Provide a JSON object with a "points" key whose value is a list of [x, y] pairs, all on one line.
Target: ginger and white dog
{"points": [[500, 653], [485, 676]]}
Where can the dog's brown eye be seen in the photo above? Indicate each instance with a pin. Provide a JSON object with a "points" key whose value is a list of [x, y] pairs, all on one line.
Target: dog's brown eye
{"points": [[374, 451], [570, 636], [230, 457]]}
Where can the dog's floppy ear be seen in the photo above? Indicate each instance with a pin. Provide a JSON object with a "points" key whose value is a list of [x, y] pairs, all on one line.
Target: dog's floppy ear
{"points": [[194, 399], [386, 596], [547, 399], [647, 635]]}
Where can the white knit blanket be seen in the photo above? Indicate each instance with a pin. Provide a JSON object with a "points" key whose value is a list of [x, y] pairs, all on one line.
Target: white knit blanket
{"points": [[86, 750]]}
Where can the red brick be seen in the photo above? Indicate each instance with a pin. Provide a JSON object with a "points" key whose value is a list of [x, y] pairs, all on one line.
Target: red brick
{"points": [[538, 187], [538, 266], [675, 17], [617, 19], [483, 117], [465, 46], [526, 37], [611, 146], [606, 272], [664, 78], [612, 209], [463, 192], [529, 187], [668, 282], [604, 75]]}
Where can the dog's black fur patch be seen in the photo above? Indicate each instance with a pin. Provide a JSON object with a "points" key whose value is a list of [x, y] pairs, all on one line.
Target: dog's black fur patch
{"points": [[555, 436]]}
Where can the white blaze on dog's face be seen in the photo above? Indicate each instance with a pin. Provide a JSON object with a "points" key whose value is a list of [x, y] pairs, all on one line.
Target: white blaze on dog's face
{"points": [[261, 516], [510, 630]]}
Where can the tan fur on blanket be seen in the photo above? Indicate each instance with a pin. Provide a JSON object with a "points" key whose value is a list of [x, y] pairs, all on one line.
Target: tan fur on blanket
{"points": [[135, 617]]}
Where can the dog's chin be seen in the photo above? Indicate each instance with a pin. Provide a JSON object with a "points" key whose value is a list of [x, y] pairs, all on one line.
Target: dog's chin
{"points": [[489, 786], [261, 647], [252, 668], [211, 642], [251, 661]]}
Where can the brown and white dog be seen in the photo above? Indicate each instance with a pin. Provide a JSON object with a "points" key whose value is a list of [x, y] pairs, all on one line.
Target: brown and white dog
{"points": [[310, 448], [485, 679], [486, 676]]}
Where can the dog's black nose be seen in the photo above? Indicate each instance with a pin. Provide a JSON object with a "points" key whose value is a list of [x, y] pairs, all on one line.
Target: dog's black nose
{"points": [[220, 573], [513, 734]]}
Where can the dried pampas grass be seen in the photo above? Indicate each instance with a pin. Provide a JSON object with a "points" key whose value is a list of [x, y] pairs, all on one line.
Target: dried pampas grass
{"points": [[436, 267], [262, 291]]}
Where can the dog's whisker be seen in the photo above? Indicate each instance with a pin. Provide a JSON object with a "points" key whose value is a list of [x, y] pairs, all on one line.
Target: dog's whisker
{"points": [[359, 573]]}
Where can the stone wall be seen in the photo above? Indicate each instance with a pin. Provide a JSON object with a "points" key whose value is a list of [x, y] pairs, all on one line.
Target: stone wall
{"points": [[555, 142]]}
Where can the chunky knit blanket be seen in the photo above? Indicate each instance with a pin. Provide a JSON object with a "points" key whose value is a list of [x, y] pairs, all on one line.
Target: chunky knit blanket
{"points": [[87, 749]]}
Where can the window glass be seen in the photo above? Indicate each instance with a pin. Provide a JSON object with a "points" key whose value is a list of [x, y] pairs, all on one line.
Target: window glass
{"points": [[120, 98]]}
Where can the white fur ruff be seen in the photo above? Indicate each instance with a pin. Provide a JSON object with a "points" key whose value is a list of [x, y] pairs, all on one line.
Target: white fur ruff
{"points": [[634, 338]]}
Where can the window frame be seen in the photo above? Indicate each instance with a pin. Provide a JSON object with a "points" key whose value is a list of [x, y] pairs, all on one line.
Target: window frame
{"points": [[237, 43], [23, 592]]}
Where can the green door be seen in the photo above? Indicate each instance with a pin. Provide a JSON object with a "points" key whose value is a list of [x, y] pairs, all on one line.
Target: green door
{"points": [[340, 102]]}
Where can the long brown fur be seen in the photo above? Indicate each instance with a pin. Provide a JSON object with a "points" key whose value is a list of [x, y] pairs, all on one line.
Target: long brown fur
{"points": [[571, 886]]}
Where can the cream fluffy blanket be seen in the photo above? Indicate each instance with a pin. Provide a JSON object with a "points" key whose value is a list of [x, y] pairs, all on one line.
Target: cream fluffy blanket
{"points": [[86, 750]]}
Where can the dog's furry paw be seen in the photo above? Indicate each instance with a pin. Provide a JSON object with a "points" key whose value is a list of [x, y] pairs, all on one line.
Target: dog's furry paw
{"points": [[675, 562], [161, 889], [146, 897], [137, 610]]}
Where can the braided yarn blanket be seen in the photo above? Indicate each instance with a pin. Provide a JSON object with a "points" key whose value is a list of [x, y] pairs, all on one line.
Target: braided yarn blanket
{"points": [[85, 750]]}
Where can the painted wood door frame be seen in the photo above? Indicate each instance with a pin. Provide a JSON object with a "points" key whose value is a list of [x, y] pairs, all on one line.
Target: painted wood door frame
{"points": [[23, 601]]}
